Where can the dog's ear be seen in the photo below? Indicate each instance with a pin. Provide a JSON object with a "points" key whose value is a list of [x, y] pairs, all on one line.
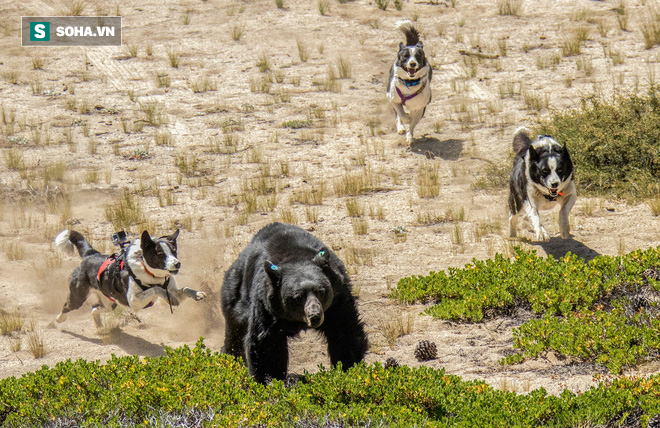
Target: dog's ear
{"points": [[172, 237], [401, 46], [533, 154], [146, 241], [274, 272]]}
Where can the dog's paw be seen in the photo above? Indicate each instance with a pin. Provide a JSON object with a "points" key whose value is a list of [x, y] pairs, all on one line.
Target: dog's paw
{"points": [[409, 138], [400, 129], [200, 295], [542, 235]]}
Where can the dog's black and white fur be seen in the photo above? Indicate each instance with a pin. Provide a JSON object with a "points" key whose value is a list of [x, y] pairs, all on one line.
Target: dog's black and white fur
{"points": [[153, 262], [409, 86], [542, 177]]}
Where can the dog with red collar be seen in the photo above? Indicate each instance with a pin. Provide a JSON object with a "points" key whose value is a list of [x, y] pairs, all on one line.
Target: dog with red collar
{"points": [[136, 277], [409, 86]]}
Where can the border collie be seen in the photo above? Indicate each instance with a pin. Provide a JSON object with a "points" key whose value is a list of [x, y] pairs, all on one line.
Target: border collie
{"points": [[409, 86], [136, 277], [542, 177]]}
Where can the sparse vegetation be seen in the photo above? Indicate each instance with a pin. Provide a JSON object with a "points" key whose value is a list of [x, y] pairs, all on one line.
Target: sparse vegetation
{"points": [[509, 7], [612, 141]]}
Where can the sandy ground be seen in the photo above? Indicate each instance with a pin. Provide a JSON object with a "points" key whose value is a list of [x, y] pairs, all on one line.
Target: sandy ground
{"points": [[82, 136]]}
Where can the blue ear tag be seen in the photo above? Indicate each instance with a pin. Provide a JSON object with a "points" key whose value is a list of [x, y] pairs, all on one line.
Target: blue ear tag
{"points": [[321, 253], [273, 267]]}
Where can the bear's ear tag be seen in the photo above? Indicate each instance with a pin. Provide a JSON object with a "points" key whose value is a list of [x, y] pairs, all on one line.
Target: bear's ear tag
{"points": [[273, 267], [322, 253]]}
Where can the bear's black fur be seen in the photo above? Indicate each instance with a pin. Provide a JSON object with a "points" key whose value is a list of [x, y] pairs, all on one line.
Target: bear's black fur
{"points": [[285, 281]]}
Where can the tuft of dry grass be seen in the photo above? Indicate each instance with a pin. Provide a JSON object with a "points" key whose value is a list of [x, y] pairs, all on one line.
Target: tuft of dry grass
{"points": [[303, 52], [323, 7], [356, 183], [174, 57], [396, 327], [287, 215], [10, 322], [428, 180], [509, 7], [124, 212], [237, 32], [650, 26], [354, 208], [360, 225], [571, 44], [36, 344], [654, 204]]}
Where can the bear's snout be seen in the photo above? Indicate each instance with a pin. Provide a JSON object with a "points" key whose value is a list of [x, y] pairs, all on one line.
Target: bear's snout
{"points": [[313, 312]]}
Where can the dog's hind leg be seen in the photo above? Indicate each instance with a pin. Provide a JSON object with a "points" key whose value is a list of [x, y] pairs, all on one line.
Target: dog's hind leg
{"points": [[513, 225], [78, 292]]}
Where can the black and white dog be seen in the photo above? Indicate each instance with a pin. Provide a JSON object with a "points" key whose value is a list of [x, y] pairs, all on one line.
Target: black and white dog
{"points": [[135, 278], [409, 86], [542, 177]]}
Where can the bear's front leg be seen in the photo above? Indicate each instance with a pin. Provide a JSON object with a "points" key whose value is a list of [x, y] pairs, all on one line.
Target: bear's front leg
{"points": [[266, 349], [347, 341]]}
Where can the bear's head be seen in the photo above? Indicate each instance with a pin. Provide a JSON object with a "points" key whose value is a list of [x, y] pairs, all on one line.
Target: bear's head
{"points": [[302, 284]]}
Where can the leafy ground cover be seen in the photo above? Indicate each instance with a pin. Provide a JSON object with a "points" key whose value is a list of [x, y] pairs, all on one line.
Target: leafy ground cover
{"points": [[602, 311], [215, 390]]}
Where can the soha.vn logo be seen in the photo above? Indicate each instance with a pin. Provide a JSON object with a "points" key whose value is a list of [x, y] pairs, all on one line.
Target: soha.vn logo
{"points": [[39, 31]]}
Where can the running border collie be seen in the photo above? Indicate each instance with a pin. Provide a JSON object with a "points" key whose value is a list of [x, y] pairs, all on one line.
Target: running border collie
{"points": [[409, 86], [135, 278], [542, 177]]}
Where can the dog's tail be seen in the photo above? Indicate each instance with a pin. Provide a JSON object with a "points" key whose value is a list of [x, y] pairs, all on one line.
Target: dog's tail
{"points": [[68, 239], [521, 140], [409, 30]]}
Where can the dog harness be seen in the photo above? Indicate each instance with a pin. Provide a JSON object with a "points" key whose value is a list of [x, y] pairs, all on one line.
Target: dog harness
{"points": [[114, 265], [410, 83]]}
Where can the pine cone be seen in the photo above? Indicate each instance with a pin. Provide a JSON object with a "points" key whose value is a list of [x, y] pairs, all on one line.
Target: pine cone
{"points": [[391, 363], [426, 350]]}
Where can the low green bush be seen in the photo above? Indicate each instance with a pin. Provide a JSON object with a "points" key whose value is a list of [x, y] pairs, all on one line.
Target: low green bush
{"points": [[590, 303], [613, 143], [215, 390]]}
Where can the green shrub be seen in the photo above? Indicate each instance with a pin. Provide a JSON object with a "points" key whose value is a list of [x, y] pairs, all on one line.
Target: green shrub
{"points": [[216, 390], [613, 143], [588, 302]]}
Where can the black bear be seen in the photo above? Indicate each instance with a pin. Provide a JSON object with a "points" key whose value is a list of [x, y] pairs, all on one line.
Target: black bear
{"points": [[285, 281]]}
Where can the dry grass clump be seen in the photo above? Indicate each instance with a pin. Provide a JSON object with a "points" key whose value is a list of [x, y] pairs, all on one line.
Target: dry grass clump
{"points": [[356, 183], [509, 7], [396, 327], [428, 180], [10, 322], [36, 344], [124, 212]]}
